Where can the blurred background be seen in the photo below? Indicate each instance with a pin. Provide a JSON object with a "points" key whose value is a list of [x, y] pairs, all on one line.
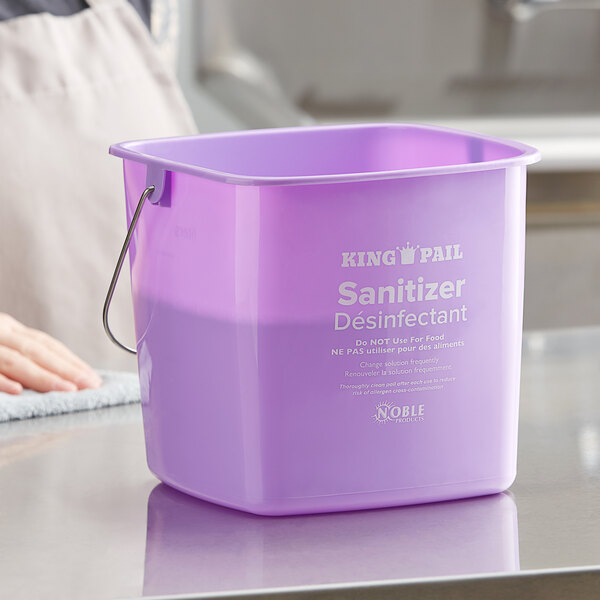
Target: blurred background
{"points": [[522, 69]]}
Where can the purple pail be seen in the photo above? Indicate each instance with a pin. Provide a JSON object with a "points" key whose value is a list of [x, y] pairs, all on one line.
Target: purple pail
{"points": [[328, 318]]}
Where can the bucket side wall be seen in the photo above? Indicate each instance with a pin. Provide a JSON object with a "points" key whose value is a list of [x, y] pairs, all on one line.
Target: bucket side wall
{"points": [[256, 393]]}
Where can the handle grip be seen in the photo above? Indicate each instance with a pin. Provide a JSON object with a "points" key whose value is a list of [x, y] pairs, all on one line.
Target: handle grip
{"points": [[117, 271]]}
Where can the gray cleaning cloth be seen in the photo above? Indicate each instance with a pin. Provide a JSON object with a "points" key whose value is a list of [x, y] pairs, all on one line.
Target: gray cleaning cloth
{"points": [[117, 388]]}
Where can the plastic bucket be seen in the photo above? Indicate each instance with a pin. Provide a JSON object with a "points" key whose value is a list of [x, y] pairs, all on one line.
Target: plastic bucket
{"points": [[328, 318]]}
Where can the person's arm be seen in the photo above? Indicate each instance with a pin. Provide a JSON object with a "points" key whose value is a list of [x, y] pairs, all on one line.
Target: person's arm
{"points": [[32, 359]]}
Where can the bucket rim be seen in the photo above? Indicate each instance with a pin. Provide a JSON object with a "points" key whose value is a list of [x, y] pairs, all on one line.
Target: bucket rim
{"points": [[130, 150]]}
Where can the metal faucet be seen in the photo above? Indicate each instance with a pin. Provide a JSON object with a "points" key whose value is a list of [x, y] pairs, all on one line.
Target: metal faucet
{"points": [[523, 10]]}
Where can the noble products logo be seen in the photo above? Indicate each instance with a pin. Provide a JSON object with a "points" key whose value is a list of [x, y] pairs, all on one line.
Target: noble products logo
{"points": [[388, 412]]}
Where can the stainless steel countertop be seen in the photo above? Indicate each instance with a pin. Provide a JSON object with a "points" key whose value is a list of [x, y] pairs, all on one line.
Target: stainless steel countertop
{"points": [[82, 517]]}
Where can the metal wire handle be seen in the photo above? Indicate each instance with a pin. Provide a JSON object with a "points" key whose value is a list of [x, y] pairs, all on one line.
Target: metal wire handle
{"points": [[117, 272]]}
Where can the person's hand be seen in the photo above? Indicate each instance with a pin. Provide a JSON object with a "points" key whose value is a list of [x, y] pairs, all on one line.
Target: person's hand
{"points": [[32, 359]]}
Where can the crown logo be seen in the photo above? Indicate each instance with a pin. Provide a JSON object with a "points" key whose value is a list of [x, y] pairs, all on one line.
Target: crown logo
{"points": [[407, 254]]}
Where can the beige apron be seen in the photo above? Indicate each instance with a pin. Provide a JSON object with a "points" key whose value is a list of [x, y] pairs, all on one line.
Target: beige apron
{"points": [[69, 87]]}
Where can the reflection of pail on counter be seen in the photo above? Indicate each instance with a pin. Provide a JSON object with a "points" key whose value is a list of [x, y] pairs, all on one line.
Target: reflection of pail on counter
{"points": [[329, 318], [195, 546]]}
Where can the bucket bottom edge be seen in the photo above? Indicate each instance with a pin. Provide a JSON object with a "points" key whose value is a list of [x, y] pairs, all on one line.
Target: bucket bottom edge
{"points": [[357, 501]]}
